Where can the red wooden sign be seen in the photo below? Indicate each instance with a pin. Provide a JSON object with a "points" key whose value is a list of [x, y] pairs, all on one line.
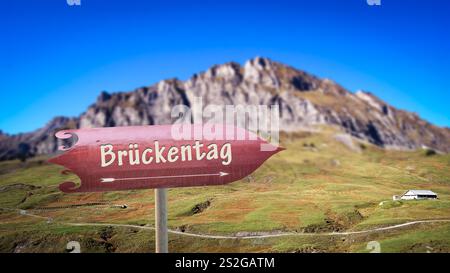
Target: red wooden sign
{"points": [[141, 157]]}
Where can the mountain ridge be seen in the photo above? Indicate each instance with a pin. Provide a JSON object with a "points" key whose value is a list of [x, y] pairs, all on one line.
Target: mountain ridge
{"points": [[304, 100]]}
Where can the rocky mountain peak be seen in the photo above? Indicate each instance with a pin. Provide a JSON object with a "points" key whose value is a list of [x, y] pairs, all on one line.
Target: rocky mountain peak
{"points": [[304, 101], [261, 71], [103, 97], [227, 71]]}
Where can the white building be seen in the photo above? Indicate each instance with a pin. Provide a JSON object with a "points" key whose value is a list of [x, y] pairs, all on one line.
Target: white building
{"points": [[416, 194]]}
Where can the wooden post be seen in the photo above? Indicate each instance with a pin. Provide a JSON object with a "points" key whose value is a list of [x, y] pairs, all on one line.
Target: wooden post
{"points": [[161, 220]]}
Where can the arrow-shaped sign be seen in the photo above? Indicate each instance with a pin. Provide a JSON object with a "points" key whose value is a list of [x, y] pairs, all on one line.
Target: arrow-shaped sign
{"points": [[150, 157]]}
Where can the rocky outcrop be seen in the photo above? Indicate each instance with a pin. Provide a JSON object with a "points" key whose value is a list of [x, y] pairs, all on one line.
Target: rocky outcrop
{"points": [[304, 101], [41, 141]]}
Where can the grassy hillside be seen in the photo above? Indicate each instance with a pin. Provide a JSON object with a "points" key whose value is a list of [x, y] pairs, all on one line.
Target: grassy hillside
{"points": [[320, 184]]}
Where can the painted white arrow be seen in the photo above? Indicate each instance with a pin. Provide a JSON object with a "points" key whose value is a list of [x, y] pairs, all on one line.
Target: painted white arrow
{"points": [[108, 180]]}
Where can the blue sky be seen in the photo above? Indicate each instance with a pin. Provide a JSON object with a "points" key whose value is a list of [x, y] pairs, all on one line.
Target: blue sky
{"points": [[55, 58]]}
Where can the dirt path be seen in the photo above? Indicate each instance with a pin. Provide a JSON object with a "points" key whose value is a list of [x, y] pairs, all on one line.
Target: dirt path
{"points": [[259, 235], [254, 235]]}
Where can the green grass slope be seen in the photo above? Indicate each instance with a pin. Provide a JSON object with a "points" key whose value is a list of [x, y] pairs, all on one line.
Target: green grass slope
{"points": [[318, 185]]}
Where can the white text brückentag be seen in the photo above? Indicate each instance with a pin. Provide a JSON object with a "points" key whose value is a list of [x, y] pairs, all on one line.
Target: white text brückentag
{"points": [[161, 154]]}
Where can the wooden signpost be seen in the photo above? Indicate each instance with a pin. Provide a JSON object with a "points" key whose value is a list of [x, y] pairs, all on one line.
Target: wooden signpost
{"points": [[143, 157]]}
